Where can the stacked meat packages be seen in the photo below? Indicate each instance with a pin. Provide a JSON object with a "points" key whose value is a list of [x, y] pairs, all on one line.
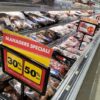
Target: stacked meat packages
{"points": [[18, 21], [29, 20]]}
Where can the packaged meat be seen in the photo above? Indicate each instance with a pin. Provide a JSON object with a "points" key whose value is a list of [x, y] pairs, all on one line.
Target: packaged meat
{"points": [[5, 20], [19, 24], [16, 85], [58, 69], [53, 82], [4, 97], [67, 53], [4, 77], [49, 93], [55, 73], [52, 35], [32, 94], [83, 46], [42, 20], [79, 35], [11, 93], [73, 50], [45, 36], [71, 42], [87, 38]]}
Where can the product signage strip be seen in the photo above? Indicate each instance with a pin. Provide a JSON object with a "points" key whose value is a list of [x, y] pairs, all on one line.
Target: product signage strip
{"points": [[26, 44], [25, 70], [90, 20], [87, 28]]}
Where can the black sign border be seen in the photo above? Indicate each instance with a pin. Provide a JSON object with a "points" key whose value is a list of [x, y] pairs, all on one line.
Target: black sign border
{"points": [[2, 47]]}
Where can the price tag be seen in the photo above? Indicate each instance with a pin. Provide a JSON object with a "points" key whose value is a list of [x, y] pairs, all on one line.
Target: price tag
{"points": [[32, 72], [14, 62], [87, 28]]}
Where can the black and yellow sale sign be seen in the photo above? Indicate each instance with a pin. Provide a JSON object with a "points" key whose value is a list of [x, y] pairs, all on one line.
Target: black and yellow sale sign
{"points": [[24, 69], [26, 60]]}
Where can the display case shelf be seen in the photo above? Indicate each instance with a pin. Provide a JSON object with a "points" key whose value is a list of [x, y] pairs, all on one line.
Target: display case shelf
{"points": [[70, 86]]}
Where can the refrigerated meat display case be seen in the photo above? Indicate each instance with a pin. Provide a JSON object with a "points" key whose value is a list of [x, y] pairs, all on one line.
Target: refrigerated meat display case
{"points": [[68, 79]]}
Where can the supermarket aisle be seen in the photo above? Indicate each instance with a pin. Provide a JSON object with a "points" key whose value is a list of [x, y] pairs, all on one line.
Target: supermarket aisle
{"points": [[97, 96], [90, 89]]}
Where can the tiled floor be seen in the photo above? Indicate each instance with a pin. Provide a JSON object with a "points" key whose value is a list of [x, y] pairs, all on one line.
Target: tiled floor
{"points": [[97, 93], [90, 89]]}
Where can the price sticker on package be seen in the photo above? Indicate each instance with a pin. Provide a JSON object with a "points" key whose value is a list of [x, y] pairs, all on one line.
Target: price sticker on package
{"points": [[14, 62], [32, 72]]}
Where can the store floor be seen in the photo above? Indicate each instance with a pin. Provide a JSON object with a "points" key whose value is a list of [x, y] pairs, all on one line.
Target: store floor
{"points": [[90, 89]]}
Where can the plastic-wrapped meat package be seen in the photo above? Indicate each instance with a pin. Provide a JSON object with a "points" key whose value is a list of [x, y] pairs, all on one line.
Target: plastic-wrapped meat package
{"points": [[45, 37], [83, 46], [48, 36], [19, 23], [58, 69], [32, 94], [73, 50], [53, 16], [38, 38], [4, 97], [53, 82], [5, 21], [63, 17], [42, 20], [71, 42], [45, 20], [4, 77], [65, 29], [16, 85], [2, 25], [71, 27], [67, 53], [50, 20], [79, 35], [11, 93], [32, 25], [49, 93], [58, 29], [73, 17], [75, 24], [52, 35], [35, 18], [87, 38], [71, 55]]}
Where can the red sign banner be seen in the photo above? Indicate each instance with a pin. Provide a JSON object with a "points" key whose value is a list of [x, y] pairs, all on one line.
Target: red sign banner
{"points": [[27, 44]]}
